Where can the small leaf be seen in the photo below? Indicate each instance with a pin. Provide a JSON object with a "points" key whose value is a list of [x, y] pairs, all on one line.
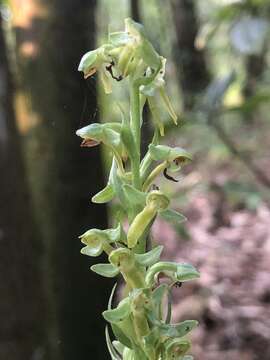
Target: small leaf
{"points": [[149, 258], [118, 314], [106, 270], [104, 196], [172, 216], [186, 272]]}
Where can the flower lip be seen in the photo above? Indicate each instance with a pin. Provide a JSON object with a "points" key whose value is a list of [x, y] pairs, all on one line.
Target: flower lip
{"points": [[89, 143], [90, 72]]}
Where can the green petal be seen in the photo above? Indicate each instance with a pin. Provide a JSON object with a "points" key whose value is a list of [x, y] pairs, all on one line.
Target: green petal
{"points": [[92, 251], [168, 104], [176, 272], [106, 270], [104, 196], [149, 258], [186, 272], [116, 235], [167, 153], [155, 114], [88, 60], [106, 81]]}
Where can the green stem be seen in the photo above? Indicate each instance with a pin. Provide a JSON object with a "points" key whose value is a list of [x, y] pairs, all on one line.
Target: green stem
{"points": [[160, 266], [135, 124]]}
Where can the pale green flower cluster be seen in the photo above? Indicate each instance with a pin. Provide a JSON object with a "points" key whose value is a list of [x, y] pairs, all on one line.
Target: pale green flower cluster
{"points": [[141, 323]]}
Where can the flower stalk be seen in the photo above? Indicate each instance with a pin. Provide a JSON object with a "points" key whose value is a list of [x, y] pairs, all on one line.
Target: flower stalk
{"points": [[141, 332]]}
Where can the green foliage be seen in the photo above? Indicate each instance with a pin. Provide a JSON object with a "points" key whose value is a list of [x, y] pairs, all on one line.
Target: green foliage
{"points": [[137, 322]]}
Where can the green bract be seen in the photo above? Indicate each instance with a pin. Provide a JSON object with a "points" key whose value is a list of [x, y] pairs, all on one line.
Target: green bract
{"points": [[140, 323]]}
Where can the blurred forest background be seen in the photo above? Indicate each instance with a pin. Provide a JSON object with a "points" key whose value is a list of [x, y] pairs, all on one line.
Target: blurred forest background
{"points": [[218, 78]]}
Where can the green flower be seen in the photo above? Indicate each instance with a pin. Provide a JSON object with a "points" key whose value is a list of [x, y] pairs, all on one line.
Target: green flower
{"points": [[97, 240], [97, 60], [156, 201], [108, 134], [175, 157], [155, 94]]}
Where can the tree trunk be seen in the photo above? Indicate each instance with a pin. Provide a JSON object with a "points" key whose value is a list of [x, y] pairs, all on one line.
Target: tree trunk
{"points": [[192, 70], [22, 307], [135, 10], [255, 65], [63, 175]]}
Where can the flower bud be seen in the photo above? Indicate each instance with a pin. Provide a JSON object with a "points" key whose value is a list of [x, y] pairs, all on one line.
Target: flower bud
{"points": [[155, 201], [124, 259]]}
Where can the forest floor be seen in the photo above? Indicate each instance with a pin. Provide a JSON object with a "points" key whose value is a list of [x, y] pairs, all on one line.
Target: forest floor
{"points": [[230, 245]]}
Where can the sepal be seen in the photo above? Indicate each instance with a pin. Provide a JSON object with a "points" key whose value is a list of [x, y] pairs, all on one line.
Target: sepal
{"points": [[118, 314], [106, 270], [150, 257], [172, 216], [104, 196], [175, 155]]}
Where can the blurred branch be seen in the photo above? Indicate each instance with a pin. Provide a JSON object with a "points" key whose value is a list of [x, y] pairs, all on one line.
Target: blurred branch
{"points": [[211, 108], [226, 139], [193, 74]]}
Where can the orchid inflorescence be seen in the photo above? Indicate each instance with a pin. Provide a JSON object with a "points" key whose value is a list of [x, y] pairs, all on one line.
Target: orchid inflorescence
{"points": [[141, 326]]}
